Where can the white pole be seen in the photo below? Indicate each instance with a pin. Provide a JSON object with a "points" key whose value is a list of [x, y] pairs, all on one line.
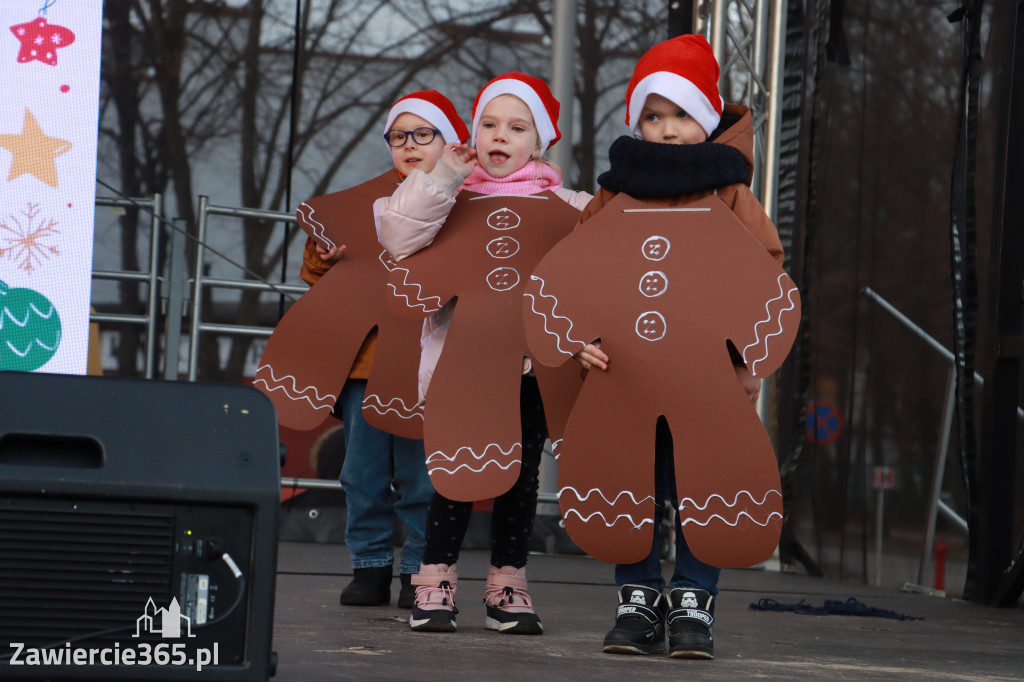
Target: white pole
{"points": [[938, 471], [770, 200], [719, 14], [563, 77], [879, 513]]}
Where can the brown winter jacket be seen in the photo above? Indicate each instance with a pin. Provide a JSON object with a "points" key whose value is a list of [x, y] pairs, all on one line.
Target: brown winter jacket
{"points": [[739, 135]]}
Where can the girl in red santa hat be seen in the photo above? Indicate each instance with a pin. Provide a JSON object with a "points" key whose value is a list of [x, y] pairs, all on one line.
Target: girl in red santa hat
{"points": [[514, 122]]}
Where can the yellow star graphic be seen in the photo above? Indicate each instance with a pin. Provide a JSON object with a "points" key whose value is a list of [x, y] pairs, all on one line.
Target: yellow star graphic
{"points": [[34, 152]]}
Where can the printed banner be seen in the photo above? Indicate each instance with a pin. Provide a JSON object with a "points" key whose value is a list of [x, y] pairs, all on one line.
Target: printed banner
{"points": [[50, 71]]}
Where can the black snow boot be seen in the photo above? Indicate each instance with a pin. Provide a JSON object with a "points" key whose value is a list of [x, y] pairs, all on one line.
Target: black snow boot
{"points": [[408, 594], [691, 613], [369, 587], [639, 622]]}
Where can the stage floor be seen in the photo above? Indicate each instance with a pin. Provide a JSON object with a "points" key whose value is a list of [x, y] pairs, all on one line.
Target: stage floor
{"points": [[316, 639]]}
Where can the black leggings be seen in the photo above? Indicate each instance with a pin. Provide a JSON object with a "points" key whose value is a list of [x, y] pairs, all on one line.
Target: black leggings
{"points": [[513, 512]]}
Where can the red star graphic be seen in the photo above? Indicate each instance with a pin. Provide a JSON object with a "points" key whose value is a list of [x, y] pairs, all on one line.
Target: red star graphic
{"points": [[40, 41]]}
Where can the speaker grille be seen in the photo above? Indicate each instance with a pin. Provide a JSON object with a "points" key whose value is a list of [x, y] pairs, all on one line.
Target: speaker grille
{"points": [[71, 570]]}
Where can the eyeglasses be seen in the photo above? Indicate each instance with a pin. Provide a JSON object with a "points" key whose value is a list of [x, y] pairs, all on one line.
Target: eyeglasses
{"points": [[421, 136]]}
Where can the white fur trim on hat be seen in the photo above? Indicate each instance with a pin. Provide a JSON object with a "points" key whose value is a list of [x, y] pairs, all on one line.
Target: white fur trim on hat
{"points": [[512, 86], [429, 112], [679, 90]]}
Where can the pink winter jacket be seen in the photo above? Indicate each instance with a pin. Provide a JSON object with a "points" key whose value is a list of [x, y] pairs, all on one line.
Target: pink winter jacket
{"points": [[408, 221]]}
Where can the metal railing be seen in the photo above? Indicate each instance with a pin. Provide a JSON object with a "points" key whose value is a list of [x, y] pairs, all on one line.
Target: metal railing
{"points": [[200, 281], [174, 285], [151, 277], [331, 484], [935, 506]]}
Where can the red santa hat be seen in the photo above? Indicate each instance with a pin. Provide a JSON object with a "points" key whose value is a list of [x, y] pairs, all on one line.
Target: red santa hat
{"points": [[435, 109], [535, 94], [683, 70]]}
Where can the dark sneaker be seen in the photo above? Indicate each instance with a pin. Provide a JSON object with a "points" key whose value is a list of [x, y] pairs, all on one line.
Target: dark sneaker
{"points": [[369, 587], [639, 622], [407, 595], [691, 614], [434, 607]]}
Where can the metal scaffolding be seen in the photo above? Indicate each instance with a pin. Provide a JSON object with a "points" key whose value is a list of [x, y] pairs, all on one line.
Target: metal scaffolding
{"points": [[748, 37]]}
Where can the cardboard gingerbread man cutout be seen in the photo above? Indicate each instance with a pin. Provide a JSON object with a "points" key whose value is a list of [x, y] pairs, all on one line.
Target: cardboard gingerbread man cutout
{"points": [[310, 353], [482, 256], [664, 289]]}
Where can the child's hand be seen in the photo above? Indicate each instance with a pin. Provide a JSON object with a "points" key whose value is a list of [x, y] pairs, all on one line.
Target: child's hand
{"points": [[460, 157], [331, 255], [750, 383], [592, 356]]}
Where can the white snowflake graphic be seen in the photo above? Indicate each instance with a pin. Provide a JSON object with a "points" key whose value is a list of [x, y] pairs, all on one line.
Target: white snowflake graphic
{"points": [[24, 237]]}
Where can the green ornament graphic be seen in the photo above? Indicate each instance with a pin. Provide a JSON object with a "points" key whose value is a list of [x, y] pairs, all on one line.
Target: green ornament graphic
{"points": [[29, 329]]}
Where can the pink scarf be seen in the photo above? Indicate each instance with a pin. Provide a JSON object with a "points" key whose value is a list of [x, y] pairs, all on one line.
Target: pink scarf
{"points": [[532, 178]]}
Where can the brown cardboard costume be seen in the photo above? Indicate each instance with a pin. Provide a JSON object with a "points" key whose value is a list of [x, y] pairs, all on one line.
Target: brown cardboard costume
{"points": [[664, 289], [486, 249], [307, 359]]}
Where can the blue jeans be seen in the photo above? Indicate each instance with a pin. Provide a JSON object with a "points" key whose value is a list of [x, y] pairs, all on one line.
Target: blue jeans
{"points": [[689, 570], [384, 478]]}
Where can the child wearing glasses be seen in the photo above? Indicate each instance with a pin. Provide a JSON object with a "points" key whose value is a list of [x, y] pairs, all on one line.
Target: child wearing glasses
{"points": [[384, 475], [514, 122]]}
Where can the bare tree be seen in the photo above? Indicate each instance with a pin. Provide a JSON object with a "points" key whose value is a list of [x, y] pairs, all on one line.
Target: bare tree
{"points": [[337, 79], [148, 62], [613, 35], [191, 76]]}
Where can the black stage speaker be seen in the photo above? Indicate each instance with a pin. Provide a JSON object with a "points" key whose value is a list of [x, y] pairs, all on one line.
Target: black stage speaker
{"points": [[138, 529]]}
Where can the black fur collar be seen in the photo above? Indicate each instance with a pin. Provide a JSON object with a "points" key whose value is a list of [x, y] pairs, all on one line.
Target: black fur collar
{"points": [[650, 170]]}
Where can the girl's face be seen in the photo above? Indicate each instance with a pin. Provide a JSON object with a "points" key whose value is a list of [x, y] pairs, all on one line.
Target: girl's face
{"points": [[507, 137], [661, 120], [411, 155]]}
